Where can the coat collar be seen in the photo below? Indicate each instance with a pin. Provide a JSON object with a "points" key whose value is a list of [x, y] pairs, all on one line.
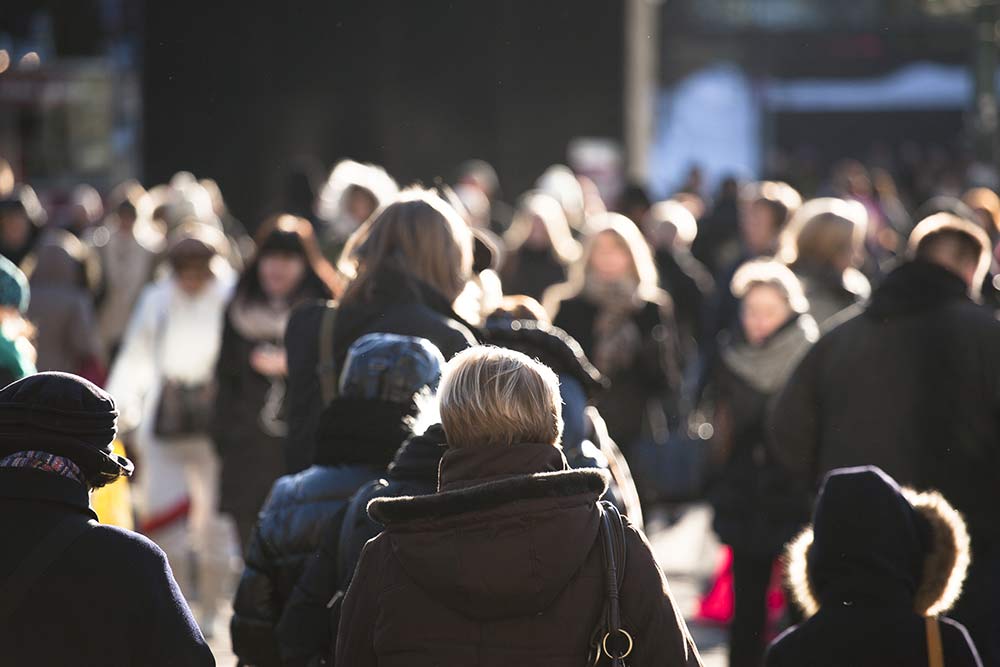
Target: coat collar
{"points": [[37, 485]]}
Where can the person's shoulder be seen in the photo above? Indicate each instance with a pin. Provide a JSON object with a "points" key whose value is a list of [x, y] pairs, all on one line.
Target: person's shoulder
{"points": [[127, 551], [958, 645], [783, 649]]}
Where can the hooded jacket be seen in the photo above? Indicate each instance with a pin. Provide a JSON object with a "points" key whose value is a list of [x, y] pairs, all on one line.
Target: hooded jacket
{"points": [[876, 561], [501, 567], [358, 437], [308, 627]]}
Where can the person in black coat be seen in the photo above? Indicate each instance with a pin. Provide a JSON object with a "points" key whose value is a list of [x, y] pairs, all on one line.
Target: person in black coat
{"points": [[912, 385], [540, 247], [73, 592], [407, 265], [758, 506], [306, 633], [249, 423], [875, 572], [624, 322], [360, 433]]}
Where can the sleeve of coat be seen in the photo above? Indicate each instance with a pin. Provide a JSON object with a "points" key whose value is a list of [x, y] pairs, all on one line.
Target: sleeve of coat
{"points": [[134, 370], [356, 634], [255, 612], [227, 376], [660, 635], [303, 400], [793, 422], [304, 630]]}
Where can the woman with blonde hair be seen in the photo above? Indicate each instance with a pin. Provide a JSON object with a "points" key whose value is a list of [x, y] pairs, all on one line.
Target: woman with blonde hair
{"points": [[503, 565], [540, 246], [822, 244], [407, 265], [624, 322]]}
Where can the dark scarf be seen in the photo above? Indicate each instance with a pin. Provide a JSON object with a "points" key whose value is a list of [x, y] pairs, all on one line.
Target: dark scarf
{"points": [[915, 287], [361, 431], [419, 457]]}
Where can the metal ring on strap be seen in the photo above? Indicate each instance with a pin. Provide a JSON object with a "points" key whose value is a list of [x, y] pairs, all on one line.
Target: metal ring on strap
{"points": [[604, 645]]}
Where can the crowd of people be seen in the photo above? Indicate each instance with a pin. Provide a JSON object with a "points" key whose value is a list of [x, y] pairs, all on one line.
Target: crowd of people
{"points": [[420, 421]]}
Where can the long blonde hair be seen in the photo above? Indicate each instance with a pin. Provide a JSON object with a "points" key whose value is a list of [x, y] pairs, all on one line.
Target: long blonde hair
{"points": [[547, 209], [631, 239], [420, 234]]}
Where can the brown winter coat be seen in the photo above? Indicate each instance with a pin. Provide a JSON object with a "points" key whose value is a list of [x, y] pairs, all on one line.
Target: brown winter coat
{"points": [[501, 567]]}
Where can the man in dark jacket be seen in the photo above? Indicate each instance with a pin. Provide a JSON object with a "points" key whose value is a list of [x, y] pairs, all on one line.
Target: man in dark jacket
{"points": [[359, 434], [73, 592], [912, 385]]}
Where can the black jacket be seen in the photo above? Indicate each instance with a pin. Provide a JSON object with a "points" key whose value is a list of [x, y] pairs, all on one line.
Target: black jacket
{"points": [[911, 385], [307, 631], [109, 599], [400, 304], [654, 371], [876, 560], [531, 272], [691, 286], [357, 438]]}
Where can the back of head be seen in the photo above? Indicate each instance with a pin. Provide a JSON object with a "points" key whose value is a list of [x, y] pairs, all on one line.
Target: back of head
{"points": [[520, 307], [494, 397], [418, 234], [60, 261], [14, 290], [671, 215], [824, 231], [954, 243]]}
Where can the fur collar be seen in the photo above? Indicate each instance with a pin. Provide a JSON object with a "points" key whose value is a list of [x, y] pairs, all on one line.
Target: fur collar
{"points": [[944, 568], [490, 495]]}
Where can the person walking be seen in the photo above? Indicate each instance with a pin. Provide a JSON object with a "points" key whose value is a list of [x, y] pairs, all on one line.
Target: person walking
{"points": [[875, 572], [164, 381], [758, 506], [359, 434], [912, 385], [504, 564], [73, 592], [249, 421], [17, 354]]}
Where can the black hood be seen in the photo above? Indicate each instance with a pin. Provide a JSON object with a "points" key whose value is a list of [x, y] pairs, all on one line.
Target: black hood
{"points": [[915, 287], [867, 539]]}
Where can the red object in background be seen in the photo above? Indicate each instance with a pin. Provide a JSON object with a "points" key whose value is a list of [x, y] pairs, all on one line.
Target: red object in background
{"points": [[94, 370], [718, 605]]}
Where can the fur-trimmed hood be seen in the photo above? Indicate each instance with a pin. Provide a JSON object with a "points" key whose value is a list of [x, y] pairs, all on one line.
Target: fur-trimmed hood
{"points": [[872, 539], [509, 529]]}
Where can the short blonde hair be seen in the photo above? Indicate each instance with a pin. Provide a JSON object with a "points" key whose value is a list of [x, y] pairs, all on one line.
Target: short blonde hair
{"points": [[491, 396]]}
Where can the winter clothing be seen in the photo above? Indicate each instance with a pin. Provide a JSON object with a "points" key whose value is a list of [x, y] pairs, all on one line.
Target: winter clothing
{"points": [[248, 424], [357, 438], [62, 308], [501, 566], [306, 630], [828, 291], [910, 385], [634, 343], [401, 304], [14, 290], [876, 561], [106, 578], [530, 272], [175, 337], [387, 367], [66, 415], [690, 285]]}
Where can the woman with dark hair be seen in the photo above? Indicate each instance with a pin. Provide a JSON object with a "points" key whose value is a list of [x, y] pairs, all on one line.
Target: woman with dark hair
{"points": [[540, 246], [249, 425], [21, 220]]}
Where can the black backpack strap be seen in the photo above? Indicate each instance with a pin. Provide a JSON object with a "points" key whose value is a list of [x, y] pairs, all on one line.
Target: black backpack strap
{"points": [[18, 584], [611, 639]]}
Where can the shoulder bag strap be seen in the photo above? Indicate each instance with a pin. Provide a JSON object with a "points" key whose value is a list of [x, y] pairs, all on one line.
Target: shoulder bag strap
{"points": [[327, 370], [935, 652], [18, 584], [616, 643]]}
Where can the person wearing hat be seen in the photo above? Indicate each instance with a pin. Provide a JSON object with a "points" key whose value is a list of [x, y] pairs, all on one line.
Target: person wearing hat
{"points": [[163, 380], [73, 592], [359, 433], [874, 574], [17, 355]]}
